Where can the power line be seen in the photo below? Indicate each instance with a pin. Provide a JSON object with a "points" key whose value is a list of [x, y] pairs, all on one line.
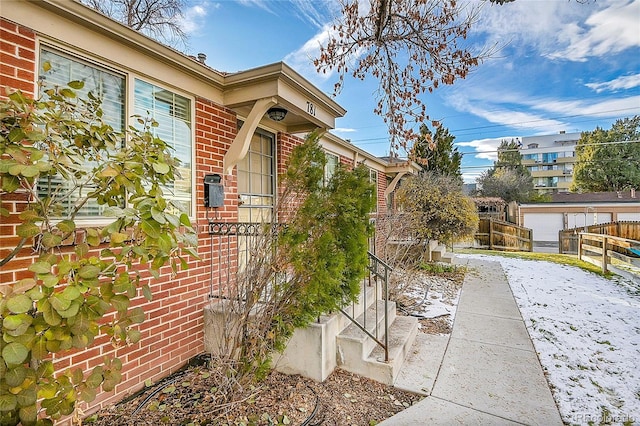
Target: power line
{"points": [[385, 139], [568, 146]]}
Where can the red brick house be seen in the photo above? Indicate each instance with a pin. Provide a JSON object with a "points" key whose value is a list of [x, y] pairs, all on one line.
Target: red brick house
{"points": [[220, 125]]}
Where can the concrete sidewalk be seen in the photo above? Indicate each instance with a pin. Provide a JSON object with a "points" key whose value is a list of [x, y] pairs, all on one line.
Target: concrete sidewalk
{"points": [[487, 371]]}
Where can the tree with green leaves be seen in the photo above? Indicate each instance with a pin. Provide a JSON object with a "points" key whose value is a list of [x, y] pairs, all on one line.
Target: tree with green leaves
{"points": [[607, 160], [310, 265], [508, 184], [436, 153], [54, 148], [437, 208], [509, 157], [508, 178]]}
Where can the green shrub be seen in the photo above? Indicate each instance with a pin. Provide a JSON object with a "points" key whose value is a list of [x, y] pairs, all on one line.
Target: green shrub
{"points": [[61, 302]]}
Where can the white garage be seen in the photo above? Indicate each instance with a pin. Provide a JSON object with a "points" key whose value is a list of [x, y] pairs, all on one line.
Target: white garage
{"points": [[545, 225], [575, 210], [629, 216]]}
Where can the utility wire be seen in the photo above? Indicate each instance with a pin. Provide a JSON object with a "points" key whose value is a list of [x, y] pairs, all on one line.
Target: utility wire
{"points": [[384, 139], [568, 146]]}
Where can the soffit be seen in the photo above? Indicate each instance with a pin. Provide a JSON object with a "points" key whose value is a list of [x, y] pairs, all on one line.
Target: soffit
{"points": [[308, 107], [96, 22]]}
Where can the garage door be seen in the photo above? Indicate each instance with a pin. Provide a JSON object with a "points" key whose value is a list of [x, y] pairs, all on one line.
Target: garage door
{"points": [[628, 216], [545, 225]]}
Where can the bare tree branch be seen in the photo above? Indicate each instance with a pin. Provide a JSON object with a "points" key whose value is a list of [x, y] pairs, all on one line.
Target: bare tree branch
{"points": [[159, 19], [412, 47]]}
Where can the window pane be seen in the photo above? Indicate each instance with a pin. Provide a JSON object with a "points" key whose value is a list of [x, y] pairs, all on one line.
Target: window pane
{"points": [[373, 178], [243, 181], [107, 86], [330, 167], [255, 179], [173, 114], [256, 163]]}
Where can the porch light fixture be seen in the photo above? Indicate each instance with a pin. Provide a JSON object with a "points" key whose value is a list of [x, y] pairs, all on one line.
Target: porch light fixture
{"points": [[277, 113]]}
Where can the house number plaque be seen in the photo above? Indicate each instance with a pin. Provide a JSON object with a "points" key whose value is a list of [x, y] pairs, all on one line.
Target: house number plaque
{"points": [[311, 108]]}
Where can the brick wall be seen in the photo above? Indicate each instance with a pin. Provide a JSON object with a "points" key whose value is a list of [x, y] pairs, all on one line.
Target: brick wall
{"points": [[382, 186], [285, 143], [348, 162], [172, 332], [17, 49]]}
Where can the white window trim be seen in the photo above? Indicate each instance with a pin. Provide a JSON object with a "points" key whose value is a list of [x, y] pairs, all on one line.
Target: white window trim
{"points": [[129, 79], [130, 83]]}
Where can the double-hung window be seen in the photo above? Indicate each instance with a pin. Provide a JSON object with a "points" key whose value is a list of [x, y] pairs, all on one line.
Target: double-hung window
{"points": [[171, 110], [373, 178], [106, 85], [330, 167], [173, 114]]}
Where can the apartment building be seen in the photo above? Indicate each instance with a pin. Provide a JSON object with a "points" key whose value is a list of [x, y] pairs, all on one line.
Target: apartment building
{"points": [[550, 160]]}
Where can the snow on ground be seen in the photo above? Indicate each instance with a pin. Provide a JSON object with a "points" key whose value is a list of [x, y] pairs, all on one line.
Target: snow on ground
{"points": [[431, 296], [586, 330]]}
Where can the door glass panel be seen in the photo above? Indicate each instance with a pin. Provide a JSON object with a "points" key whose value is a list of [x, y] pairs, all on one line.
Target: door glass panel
{"points": [[256, 180]]}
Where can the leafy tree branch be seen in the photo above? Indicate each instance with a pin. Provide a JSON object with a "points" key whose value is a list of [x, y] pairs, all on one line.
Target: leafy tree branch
{"points": [[82, 281]]}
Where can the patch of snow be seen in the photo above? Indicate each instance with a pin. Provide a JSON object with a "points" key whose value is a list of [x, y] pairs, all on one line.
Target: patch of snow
{"points": [[431, 296], [586, 330]]}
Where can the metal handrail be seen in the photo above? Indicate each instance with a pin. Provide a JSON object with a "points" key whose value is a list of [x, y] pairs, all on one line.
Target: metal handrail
{"points": [[380, 270], [227, 246]]}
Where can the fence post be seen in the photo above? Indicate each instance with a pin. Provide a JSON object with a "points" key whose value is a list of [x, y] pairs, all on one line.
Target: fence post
{"points": [[490, 234], [604, 254], [560, 240], [580, 246]]}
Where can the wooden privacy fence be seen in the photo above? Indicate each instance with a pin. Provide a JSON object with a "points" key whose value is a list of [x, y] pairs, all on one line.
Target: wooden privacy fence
{"points": [[599, 249], [500, 235], [568, 238]]}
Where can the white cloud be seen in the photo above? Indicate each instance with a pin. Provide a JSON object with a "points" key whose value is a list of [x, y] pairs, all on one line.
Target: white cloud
{"points": [[562, 29], [302, 59], [312, 12], [608, 31], [485, 149], [316, 13], [523, 25], [472, 177], [261, 4], [507, 112], [343, 130], [193, 18], [620, 83], [607, 108], [516, 109]]}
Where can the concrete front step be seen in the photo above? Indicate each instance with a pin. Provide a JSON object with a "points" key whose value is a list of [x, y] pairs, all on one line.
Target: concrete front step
{"points": [[367, 296], [439, 254], [353, 343], [402, 334]]}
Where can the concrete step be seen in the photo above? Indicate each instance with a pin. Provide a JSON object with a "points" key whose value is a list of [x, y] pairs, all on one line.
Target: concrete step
{"points": [[354, 344], [366, 297], [402, 334], [431, 246], [439, 254], [447, 258]]}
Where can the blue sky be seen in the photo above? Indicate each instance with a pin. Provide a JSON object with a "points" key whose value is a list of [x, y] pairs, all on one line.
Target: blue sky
{"points": [[561, 66]]}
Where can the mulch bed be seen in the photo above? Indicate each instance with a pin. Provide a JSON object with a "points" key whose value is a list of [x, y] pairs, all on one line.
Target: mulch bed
{"points": [[343, 399], [197, 397]]}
